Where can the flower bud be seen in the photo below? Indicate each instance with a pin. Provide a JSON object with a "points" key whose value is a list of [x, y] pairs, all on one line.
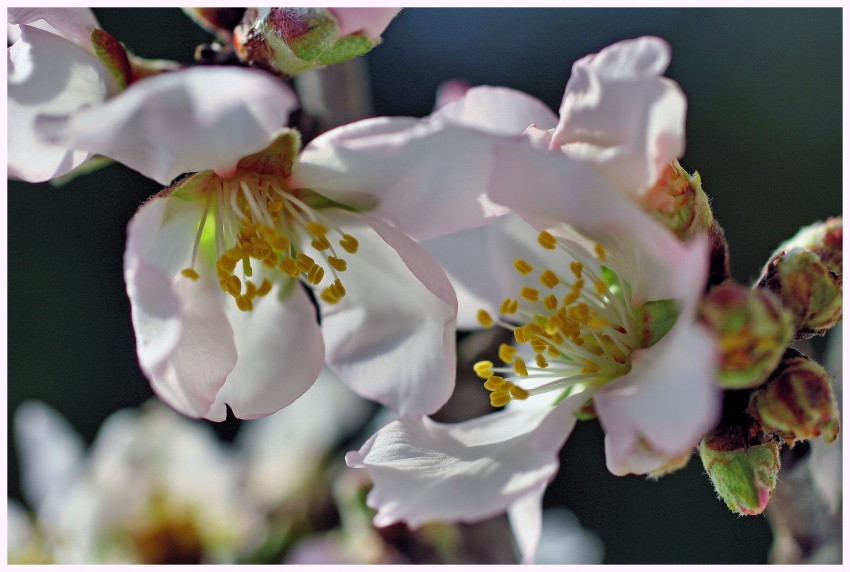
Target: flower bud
{"points": [[218, 21], [824, 240], [742, 468], [656, 318], [797, 402], [288, 41], [807, 287], [679, 203], [753, 329]]}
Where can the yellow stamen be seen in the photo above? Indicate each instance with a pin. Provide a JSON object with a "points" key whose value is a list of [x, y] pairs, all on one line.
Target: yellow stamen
{"points": [[494, 382], [337, 264], [519, 335], [570, 298], [519, 367], [275, 205], [233, 286], [290, 267], [600, 251], [264, 288], [349, 243], [507, 353], [518, 392], [538, 346], [321, 243], [529, 294], [304, 262], [576, 268], [547, 241], [550, 302], [484, 369], [541, 361], [250, 289], [484, 318], [522, 266], [499, 399], [549, 279], [315, 275], [190, 274], [601, 287], [316, 228]]}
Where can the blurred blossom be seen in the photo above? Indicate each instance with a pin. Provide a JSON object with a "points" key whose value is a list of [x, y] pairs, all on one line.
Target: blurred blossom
{"points": [[564, 541]]}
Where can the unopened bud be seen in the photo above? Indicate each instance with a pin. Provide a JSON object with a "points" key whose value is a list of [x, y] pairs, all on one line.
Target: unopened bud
{"points": [[743, 469], [823, 239], [679, 203], [797, 402], [671, 466], [656, 319], [807, 287], [289, 41], [218, 21], [753, 329]]}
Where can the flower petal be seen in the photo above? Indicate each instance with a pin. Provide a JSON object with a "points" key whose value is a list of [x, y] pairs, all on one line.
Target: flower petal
{"points": [[497, 110], [465, 471], [550, 189], [179, 122], [371, 22], [74, 24], [183, 338], [49, 450], [400, 168], [48, 74], [280, 351], [526, 518], [619, 113], [392, 337], [664, 405]]}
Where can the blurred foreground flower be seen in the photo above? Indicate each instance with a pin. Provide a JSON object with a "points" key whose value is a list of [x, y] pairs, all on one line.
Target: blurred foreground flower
{"points": [[74, 92], [616, 321]]}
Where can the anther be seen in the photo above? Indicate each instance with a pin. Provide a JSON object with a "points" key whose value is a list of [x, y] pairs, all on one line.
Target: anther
{"points": [[337, 264], [541, 361], [576, 268], [550, 302], [315, 275], [349, 243], [600, 251], [484, 369], [519, 367], [570, 298], [547, 241], [279, 242], [233, 286], [494, 382], [549, 279], [275, 205], [529, 294], [304, 262], [316, 228], [518, 393], [264, 288], [522, 266], [600, 286], [290, 267], [484, 318], [499, 399], [507, 353], [190, 274], [321, 243], [250, 289], [519, 335]]}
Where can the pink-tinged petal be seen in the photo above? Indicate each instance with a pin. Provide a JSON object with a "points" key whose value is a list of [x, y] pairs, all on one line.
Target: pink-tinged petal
{"points": [[497, 110], [540, 139], [49, 450], [620, 114], [468, 471], [450, 91], [190, 120], [525, 516], [479, 263], [280, 351], [664, 405], [425, 178], [371, 22], [48, 74], [391, 338], [183, 338], [549, 189], [74, 24]]}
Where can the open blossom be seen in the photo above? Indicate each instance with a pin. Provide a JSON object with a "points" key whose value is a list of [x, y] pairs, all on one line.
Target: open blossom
{"points": [[602, 301], [73, 93], [213, 267]]}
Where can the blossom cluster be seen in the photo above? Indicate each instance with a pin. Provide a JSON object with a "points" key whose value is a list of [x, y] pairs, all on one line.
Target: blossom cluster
{"points": [[270, 262]]}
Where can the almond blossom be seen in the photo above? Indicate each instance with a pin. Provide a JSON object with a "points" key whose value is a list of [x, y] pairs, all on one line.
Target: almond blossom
{"points": [[69, 100], [601, 299]]}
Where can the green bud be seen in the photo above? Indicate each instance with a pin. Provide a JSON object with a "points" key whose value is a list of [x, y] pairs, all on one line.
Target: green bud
{"points": [[797, 402], [753, 330], [742, 468], [288, 41], [807, 287], [679, 203], [656, 319]]}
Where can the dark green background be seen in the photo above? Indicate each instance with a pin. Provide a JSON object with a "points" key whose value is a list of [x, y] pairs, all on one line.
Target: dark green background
{"points": [[764, 131]]}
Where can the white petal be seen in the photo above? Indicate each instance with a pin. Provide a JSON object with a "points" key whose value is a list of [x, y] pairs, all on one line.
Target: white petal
{"points": [[669, 400], [618, 113], [74, 24], [185, 121], [467, 471], [564, 541], [299, 436], [425, 178], [280, 351], [48, 74], [183, 338], [49, 450], [392, 337], [526, 519], [497, 110], [549, 189]]}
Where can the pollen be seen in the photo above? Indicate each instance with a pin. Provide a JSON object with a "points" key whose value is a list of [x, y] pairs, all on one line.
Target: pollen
{"points": [[507, 353], [499, 399], [316, 228], [321, 243], [549, 279], [519, 367], [484, 318], [305, 263], [600, 251], [190, 274], [484, 369], [509, 306], [547, 241], [530, 294], [518, 393], [337, 264], [522, 266], [541, 361], [494, 382], [550, 302], [349, 243]]}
